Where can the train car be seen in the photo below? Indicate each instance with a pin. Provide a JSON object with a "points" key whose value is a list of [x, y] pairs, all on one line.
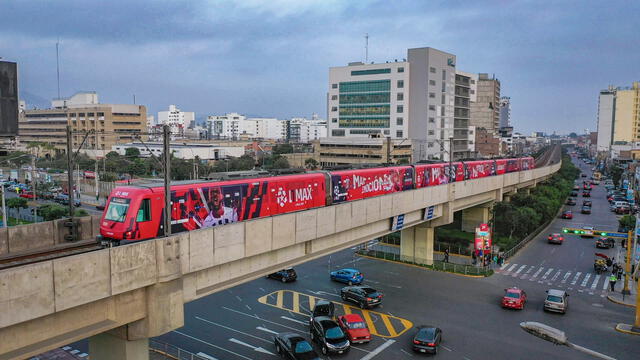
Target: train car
{"points": [[349, 185], [527, 163], [438, 174], [479, 169], [501, 166], [513, 165], [136, 213]]}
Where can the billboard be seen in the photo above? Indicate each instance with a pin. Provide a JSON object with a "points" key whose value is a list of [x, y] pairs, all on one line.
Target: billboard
{"points": [[483, 238], [8, 98]]}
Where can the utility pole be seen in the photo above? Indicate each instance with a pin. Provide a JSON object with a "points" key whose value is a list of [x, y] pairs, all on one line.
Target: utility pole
{"points": [[167, 179], [627, 270], [4, 210], [95, 150], [388, 149], [452, 173], [35, 182], [70, 174]]}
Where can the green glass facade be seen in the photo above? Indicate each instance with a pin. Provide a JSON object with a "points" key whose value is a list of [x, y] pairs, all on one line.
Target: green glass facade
{"points": [[365, 104], [370, 72]]}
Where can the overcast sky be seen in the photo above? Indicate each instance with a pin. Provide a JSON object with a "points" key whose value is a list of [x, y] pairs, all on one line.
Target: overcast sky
{"points": [[271, 57]]}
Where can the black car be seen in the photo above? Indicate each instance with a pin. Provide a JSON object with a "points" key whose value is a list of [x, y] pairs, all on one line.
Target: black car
{"points": [[295, 347], [328, 334], [586, 203], [583, 175], [364, 296], [586, 193], [571, 201], [605, 243], [427, 339], [284, 275], [574, 193], [586, 210], [322, 308]]}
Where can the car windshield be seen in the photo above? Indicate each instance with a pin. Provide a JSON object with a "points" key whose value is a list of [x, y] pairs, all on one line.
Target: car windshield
{"points": [[334, 333], [117, 210], [356, 325], [513, 295], [302, 347], [369, 291], [554, 298], [426, 334]]}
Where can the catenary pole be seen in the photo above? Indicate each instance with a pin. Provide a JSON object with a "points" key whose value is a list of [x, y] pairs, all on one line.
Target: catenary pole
{"points": [[167, 179], [70, 174]]}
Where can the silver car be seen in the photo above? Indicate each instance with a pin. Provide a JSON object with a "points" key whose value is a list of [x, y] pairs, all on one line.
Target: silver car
{"points": [[557, 300]]}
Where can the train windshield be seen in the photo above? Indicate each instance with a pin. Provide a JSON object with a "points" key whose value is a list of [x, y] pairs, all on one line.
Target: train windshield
{"points": [[117, 210]]}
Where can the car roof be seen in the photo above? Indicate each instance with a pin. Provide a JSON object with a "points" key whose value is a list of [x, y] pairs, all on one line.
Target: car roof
{"points": [[555, 292], [290, 335], [352, 318], [555, 234], [350, 269], [514, 289]]}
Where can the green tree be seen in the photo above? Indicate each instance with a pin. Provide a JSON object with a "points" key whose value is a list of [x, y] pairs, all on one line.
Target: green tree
{"points": [[281, 163], [52, 212], [17, 203], [311, 163], [627, 222], [616, 174], [132, 152], [283, 149], [81, 212]]}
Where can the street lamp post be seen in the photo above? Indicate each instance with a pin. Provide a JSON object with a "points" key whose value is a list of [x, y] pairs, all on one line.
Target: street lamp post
{"points": [[557, 337]]}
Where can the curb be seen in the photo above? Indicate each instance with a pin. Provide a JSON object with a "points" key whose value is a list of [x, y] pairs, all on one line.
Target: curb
{"points": [[421, 267], [615, 301], [625, 331]]}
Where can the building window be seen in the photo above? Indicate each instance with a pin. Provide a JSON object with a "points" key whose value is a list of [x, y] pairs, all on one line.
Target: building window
{"points": [[432, 120], [430, 132], [430, 144], [400, 69], [72, 114], [432, 70], [441, 110], [442, 99], [400, 84], [399, 121], [337, 132], [400, 96], [473, 81], [432, 107], [100, 114], [472, 91], [364, 86], [334, 120], [444, 74], [334, 97], [81, 114], [399, 133], [432, 82], [444, 87], [334, 86], [386, 132], [90, 114], [370, 72], [399, 109], [334, 108]]}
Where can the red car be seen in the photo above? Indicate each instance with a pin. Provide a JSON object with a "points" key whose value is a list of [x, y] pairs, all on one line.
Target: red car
{"points": [[27, 195], [555, 239], [567, 215], [355, 328], [514, 298], [586, 193]]}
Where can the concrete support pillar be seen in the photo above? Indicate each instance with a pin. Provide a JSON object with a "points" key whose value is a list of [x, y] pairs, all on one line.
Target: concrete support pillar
{"points": [[506, 198], [107, 346], [416, 244], [165, 311], [473, 217]]}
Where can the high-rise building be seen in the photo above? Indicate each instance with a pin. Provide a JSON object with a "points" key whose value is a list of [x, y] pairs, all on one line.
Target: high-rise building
{"points": [[465, 95], [505, 112], [409, 99], [304, 130], [485, 111], [618, 116], [112, 123], [177, 120]]}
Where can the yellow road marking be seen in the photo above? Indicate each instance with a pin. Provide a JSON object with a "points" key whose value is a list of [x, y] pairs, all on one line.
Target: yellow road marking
{"points": [[297, 298]]}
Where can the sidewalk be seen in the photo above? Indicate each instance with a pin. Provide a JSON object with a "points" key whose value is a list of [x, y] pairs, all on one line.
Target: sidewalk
{"points": [[437, 255], [626, 300], [91, 200]]}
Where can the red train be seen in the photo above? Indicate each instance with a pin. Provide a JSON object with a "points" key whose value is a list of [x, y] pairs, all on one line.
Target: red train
{"points": [[135, 212]]}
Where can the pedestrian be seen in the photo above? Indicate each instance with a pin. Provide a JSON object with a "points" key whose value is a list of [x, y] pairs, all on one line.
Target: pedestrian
{"points": [[446, 255], [495, 259], [615, 268], [620, 271], [610, 261], [612, 281], [473, 258]]}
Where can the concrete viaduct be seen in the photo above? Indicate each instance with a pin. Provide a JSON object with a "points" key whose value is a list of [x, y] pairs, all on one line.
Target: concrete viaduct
{"points": [[120, 297]]}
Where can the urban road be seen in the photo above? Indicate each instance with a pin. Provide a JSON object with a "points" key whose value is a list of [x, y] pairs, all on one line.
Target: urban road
{"points": [[240, 323]]}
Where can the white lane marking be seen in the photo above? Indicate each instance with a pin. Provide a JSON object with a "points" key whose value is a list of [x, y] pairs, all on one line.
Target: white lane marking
{"points": [[323, 293], [595, 282], [266, 330], [575, 278], [232, 329], [255, 348], [294, 320], [261, 289], [404, 351], [248, 307], [238, 297], [73, 352], [566, 276], [520, 269], [605, 284], [524, 276], [512, 267], [208, 357], [83, 355], [544, 277], [542, 263], [265, 320], [212, 345], [585, 280], [535, 275], [66, 348], [392, 273], [446, 348], [378, 350], [556, 275]]}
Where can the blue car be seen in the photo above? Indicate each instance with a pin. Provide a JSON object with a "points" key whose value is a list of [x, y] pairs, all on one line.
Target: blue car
{"points": [[347, 276]]}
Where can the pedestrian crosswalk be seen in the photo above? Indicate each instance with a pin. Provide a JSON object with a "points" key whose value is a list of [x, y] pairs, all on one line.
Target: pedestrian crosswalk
{"points": [[583, 282]]}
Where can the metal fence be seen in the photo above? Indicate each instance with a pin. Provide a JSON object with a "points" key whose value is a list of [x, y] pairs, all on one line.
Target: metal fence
{"points": [[453, 248], [172, 352], [437, 265]]}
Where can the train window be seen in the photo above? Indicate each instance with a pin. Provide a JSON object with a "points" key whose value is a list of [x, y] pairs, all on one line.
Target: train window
{"points": [[144, 213], [117, 210]]}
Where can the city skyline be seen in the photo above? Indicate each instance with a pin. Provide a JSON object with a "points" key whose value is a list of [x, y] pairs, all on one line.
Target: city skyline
{"points": [[272, 59]]}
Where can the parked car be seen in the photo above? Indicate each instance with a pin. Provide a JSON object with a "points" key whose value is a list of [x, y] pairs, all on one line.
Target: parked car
{"points": [[427, 339], [586, 210], [364, 296], [355, 328], [571, 201], [574, 193], [567, 214], [329, 336], [583, 175], [100, 207], [63, 199], [285, 275], [348, 276], [586, 193], [605, 243], [322, 308], [295, 347], [555, 239], [556, 300], [514, 298], [586, 203], [623, 209], [27, 195]]}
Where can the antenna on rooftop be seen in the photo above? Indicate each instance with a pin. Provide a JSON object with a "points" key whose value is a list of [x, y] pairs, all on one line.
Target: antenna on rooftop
{"points": [[58, 66], [366, 48]]}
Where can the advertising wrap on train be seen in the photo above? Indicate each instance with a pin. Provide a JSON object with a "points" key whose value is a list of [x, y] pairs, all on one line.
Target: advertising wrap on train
{"points": [[359, 184]]}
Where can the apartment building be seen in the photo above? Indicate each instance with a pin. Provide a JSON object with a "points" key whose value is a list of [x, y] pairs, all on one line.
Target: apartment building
{"points": [[303, 130], [334, 151], [465, 95], [485, 110], [112, 123], [505, 112], [618, 116], [177, 120]]}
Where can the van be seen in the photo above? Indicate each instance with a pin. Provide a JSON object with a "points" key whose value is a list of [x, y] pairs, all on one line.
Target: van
{"points": [[556, 300]]}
